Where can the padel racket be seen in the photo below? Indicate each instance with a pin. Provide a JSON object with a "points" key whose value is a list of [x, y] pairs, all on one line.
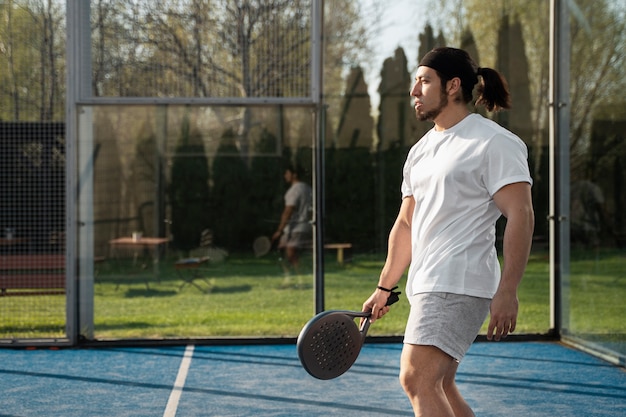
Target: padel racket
{"points": [[261, 246], [331, 341]]}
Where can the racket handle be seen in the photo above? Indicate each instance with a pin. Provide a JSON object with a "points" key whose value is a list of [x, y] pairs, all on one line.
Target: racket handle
{"points": [[394, 296]]}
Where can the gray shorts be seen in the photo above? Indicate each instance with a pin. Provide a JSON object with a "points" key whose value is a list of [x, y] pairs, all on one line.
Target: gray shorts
{"points": [[447, 321], [301, 240]]}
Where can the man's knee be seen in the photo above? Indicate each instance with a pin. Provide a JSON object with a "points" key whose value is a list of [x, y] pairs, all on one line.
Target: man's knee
{"points": [[423, 369], [415, 381], [410, 380]]}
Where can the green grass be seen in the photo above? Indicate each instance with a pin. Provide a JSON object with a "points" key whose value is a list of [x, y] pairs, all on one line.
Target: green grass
{"points": [[249, 297], [596, 292]]}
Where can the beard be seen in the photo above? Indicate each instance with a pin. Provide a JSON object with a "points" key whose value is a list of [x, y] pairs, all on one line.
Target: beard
{"points": [[433, 113]]}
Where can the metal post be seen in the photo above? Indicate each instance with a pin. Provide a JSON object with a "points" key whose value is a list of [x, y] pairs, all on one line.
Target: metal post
{"points": [[559, 165], [319, 148], [79, 281]]}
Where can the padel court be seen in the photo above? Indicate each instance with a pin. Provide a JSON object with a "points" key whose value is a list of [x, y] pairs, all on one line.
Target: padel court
{"points": [[162, 115], [498, 379]]}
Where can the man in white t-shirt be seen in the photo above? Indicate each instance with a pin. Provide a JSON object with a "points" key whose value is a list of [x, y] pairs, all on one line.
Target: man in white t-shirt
{"points": [[294, 230], [457, 181]]}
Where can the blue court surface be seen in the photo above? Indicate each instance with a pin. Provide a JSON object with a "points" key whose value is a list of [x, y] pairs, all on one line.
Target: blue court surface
{"points": [[529, 379]]}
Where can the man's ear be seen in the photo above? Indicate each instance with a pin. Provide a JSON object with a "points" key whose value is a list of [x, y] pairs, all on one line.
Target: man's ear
{"points": [[454, 85]]}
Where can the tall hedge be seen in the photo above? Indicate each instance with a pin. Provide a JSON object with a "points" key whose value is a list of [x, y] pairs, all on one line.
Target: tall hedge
{"points": [[267, 185], [232, 213], [189, 190]]}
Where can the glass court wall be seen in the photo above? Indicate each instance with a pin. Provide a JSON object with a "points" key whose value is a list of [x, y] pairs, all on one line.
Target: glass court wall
{"points": [[185, 133], [177, 215], [183, 129], [593, 292]]}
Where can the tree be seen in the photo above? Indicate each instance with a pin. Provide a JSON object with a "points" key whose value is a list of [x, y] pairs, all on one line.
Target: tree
{"points": [[398, 129], [356, 125], [189, 189], [395, 125], [113, 57], [229, 213], [267, 185], [31, 55], [346, 45], [598, 47], [349, 165]]}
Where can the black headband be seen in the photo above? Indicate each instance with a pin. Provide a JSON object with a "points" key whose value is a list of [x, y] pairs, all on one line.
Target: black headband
{"points": [[452, 62]]}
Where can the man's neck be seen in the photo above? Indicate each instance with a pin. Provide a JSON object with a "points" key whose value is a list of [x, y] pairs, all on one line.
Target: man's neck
{"points": [[451, 115]]}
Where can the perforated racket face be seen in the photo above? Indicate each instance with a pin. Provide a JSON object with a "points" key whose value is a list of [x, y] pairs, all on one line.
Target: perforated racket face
{"points": [[329, 344], [261, 246]]}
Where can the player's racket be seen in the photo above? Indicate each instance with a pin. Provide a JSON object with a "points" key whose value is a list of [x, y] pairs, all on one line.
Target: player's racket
{"points": [[261, 246], [331, 341]]}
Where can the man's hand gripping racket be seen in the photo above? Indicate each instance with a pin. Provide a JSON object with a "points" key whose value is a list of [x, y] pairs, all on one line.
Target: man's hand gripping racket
{"points": [[331, 341]]}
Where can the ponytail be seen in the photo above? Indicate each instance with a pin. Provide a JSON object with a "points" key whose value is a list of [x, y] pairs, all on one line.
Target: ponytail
{"points": [[493, 91]]}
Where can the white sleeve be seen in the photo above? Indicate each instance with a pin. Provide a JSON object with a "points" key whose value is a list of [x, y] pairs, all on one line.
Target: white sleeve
{"points": [[506, 163]]}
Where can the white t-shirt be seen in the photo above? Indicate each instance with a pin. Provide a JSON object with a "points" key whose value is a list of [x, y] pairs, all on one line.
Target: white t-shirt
{"points": [[453, 175], [300, 196]]}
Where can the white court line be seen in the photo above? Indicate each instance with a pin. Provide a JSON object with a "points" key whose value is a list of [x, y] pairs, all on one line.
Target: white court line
{"points": [[177, 390]]}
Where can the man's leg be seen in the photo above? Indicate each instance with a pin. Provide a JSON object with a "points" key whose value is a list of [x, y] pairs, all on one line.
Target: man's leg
{"points": [[427, 376], [292, 257], [456, 400]]}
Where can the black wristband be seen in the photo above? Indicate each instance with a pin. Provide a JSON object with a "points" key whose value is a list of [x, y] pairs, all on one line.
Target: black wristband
{"points": [[386, 289]]}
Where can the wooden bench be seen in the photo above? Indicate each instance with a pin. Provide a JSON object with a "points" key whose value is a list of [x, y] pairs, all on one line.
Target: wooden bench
{"points": [[339, 247], [32, 274]]}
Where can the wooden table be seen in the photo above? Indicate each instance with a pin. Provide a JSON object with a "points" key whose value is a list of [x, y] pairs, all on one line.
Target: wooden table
{"points": [[151, 244]]}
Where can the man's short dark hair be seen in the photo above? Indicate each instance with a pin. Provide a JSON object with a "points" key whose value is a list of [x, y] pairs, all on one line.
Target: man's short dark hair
{"points": [[296, 169]]}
